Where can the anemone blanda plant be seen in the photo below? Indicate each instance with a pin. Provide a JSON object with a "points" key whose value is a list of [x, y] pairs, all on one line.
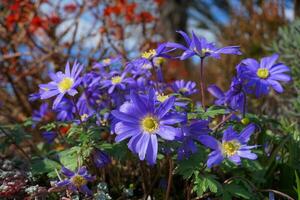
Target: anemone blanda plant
{"points": [[154, 117], [62, 83]]}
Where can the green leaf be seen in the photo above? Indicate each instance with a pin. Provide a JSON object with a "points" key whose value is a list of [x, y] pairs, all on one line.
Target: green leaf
{"points": [[116, 150], [45, 166], [70, 157], [204, 183], [214, 111], [237, 191], [187, 167]]}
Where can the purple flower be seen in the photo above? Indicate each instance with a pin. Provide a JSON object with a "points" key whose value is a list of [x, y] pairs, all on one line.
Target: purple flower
{"points": [[201, 47], [100, 158], [76, 181], [85, 110], [184, 88], [49, 136], [160, 51], [106, 62], [65, 110], [189, 134], [62, 83], [141, 121], [264, 75], [117, 80], [233, 146], [235, 97], [39, 115]]}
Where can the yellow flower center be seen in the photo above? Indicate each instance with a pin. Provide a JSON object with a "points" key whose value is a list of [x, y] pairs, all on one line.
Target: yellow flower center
{"points": [[149, 54], [159, 61], [263, 73], [78, 181], [183, 90], [65, 84], [161, 97], [231, 147], [245, 121], [84, 117], [116, 79], [149, 124], [207, 50], [106, 61]]}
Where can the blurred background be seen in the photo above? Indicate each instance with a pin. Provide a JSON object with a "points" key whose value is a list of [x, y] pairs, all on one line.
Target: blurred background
{"points": [[40, 36], [37, 37]]}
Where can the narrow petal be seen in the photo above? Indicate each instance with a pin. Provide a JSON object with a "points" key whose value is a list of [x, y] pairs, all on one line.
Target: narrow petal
{"points": [[63, 183], [235, 158], [167, 132], [209, 141], [280, 77], [244, 137], [268, 62], [164, 107], [186, 54], [152, 150], [229, 50], [58, 100], [72, 92], [67, 70], [229, 134], [185, 37], [247, 154], [276, 85], [49, 94], [215, 91], [86, 190], [67, 172], [143, 145], [124, 117], [214, 158]]}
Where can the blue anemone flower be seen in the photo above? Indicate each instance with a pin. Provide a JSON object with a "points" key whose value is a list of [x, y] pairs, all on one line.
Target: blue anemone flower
{"points": [[235, 97], [233, 146], [117, 80], [264, 75], [185, 88], [141, 120], [201, 47], [189, 134], [49, 136], [39, 115], [62, 83], [107, 62], [100, 158], [65, 110], [76, 181]]}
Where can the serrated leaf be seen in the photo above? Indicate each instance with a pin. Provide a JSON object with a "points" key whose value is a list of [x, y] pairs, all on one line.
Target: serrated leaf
{"points": [[187, 167], [204, 183], [69, 158], [45, 166]]}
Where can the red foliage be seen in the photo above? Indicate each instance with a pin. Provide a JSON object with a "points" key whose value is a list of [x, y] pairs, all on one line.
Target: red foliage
{"points": [[145, 17], [36, 23], [54, 19], [70, 8]]}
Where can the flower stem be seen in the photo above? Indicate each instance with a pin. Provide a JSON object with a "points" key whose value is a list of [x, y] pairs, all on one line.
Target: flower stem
{"points": [[170, 176], [76, 110], [245, 103], [14, 143], [202, 86]]}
